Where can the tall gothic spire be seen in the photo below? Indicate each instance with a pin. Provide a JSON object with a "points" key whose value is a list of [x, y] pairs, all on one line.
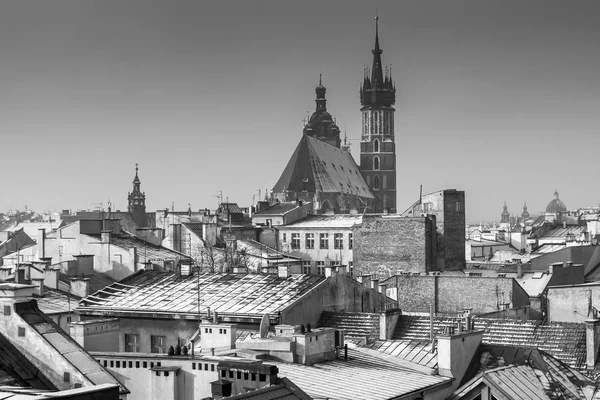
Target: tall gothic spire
{"points": [[377, 89]]}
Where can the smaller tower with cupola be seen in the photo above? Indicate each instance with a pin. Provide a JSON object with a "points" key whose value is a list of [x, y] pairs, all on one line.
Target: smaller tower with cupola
{"points": [[377, 146], [136, 201]]}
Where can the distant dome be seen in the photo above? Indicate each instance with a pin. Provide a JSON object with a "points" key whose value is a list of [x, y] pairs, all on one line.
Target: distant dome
{"points": [[555, 206]]}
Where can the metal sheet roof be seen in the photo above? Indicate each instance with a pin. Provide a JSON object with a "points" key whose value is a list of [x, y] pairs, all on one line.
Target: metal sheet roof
{"points": [[362, 376], [230, 294]]}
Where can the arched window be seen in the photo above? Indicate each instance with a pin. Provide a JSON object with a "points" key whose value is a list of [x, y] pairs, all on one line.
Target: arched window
{"points": [[386, 121], [376, 146], [376, 163], [376, 182], [375, 122]]}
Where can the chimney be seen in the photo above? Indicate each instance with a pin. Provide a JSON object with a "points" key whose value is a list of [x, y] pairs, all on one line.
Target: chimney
{"points": [[41, 243], [215, 317], [176, 237], [283, 271], [374, 284], [51, 277], [381, 288], [84, 264], [353, 211], [341, 269], [330, 270], [105, 236], [564, 224], [455, 352], [20, 273], [386, 210], [242, 270], [592, 341], [519, 271], [5, 273], [80, 287], [39, 286]]}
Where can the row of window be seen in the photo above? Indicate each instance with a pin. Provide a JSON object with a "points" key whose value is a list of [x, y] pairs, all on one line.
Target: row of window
{"points": [[378, 122], [158, 344], [221, 331], [378, 183], [309, 240], [123, 364], [247, 376], [307, 267]]}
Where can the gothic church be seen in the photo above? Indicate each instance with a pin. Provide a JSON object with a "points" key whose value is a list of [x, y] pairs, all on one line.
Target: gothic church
{"points": [[322, 170]]}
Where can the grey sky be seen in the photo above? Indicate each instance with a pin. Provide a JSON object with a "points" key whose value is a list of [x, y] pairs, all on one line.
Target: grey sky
{"points": [[497, 98]]}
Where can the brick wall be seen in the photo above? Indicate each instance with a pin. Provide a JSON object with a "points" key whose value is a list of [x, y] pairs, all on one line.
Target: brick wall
{"points": [[454, 230], [384, 246], [450, 294]]}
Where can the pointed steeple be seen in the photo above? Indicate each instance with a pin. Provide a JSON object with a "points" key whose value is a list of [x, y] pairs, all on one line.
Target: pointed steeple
{"points": [[377, 89]]}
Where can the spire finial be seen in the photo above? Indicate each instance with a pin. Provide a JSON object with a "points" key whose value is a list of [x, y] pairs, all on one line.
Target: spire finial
{"points": [[320, 76], [376, 30], [136, 169]]}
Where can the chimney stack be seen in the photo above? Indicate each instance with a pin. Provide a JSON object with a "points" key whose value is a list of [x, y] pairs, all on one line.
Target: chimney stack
{"points": [[283, 271], [41, 243], [105, 236], [39, 286], [80, 287]]}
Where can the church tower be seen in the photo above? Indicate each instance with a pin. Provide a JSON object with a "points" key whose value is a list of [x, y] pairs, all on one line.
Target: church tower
{"points": [[321, 124], [136, 201], [505, 216], [377, 145]]}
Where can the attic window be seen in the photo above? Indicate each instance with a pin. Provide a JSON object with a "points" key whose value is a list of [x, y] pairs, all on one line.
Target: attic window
{"points": [[21, 331], [6, 310], [67, 377]]}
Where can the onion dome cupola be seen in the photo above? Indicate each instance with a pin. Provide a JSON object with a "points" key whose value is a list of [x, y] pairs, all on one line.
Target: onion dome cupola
{"points": [[377, 89], [505, 216], [556, 205], [321, 124]]}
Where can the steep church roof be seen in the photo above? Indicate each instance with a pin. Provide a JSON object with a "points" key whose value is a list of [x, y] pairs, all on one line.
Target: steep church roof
{"points": [[316, 166]]}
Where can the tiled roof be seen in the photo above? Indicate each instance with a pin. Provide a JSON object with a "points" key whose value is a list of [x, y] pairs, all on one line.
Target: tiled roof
{"points": [[229, 294], [362, 376], [326, 221], [326, 168], [565, 341], [354, 324]]}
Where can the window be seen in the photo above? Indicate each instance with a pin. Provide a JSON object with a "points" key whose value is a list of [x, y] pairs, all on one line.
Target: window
{"points": [[67, 377], [338, 240], [295, 240], [376, 163], [306, 267], [246, 376], [206, 367], [144, 364], [6, 310], [253, 377], [212, 367], [262, 377], [376, 146], [458, 206], [350, 241], [239, 375], [132, 343], [284, 237], [158, 344], [106, 363], [321, 267], [230, 374], [137, 364], [376, 182], [384, 184], [118, 364], [21, 331], [375, 127], [351, 268], [221, 331], [323, 241], [310, 241], [130, 364], [224, 331], [194, 365], [112, 363], [223, 373], [166, 373]]}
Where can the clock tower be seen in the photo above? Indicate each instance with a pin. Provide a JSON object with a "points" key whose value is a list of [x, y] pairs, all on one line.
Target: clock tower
{"points": [[136, 201], [378, 143]]}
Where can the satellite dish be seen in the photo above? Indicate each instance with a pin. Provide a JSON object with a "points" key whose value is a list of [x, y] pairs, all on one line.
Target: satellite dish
{"points": [[264, 326]]}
